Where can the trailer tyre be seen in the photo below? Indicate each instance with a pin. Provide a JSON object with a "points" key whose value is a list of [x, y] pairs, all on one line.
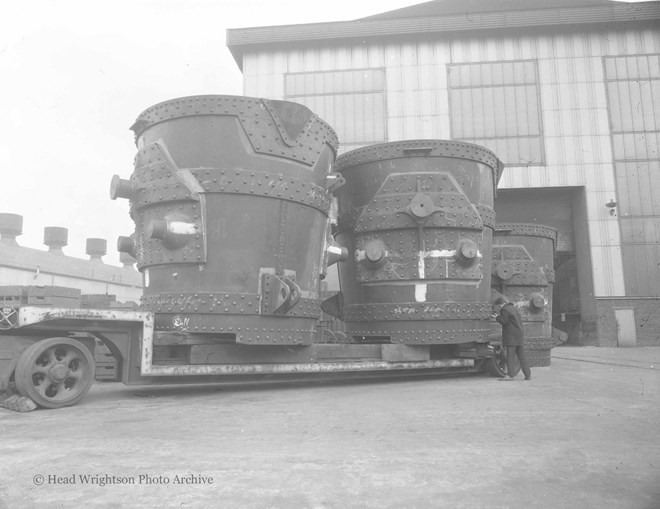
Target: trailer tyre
{"points": [[55, 372], [496, 365]]}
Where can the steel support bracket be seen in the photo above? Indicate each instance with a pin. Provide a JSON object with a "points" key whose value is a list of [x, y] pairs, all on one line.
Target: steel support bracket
{"points": [[279, 294]]}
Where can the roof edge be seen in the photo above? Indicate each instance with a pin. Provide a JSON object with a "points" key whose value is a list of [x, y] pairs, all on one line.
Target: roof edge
{"points": [[240, 39]]}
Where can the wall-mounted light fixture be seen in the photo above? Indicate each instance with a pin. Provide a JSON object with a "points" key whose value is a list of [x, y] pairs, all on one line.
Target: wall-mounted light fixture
{"points": [[612, 206]]}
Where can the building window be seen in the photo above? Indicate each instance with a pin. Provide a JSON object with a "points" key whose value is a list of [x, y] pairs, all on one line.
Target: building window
{"points": [[633, 90], [351, 101], [633, 93], [496, 104]]}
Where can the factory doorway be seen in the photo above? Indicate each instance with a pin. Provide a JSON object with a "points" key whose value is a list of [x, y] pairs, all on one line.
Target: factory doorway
{"points": [[563, 209]]}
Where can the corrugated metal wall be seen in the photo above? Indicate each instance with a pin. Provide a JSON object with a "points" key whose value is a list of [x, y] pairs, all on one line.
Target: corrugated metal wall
{"points": [[571, 85], [633, 86]]}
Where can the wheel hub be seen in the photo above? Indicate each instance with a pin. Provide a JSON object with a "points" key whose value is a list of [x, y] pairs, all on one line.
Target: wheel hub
{"points": [[58, 373]]}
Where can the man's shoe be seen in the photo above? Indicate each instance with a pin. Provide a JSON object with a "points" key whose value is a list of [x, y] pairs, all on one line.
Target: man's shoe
{"points": [[528, 378], [506, 379]]}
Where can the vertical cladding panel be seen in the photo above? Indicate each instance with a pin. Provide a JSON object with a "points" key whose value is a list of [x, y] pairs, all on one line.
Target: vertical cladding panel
{"points": [[654, 173], [528, 47], [650, 233], [425, 53], [359, 56], [442, 52], [444, 127], [645, 189], [249, 64], [458, 50], [426, 77], [642, 263], [653, 259], [630, 266], [623, 188], [295, 61], [393, 78], [650, 92], [250, 85], [490, 48], [279, 62], [411, 128], [602, 286], [395, 128], [393, 55], [428, 127], [545, 49], [629, 234], [410, 78], [327, 59], [474, 50], [428, 102], [343, 56], [375, 55]]}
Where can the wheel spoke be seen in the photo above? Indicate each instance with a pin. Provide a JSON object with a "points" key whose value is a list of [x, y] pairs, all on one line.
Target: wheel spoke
{"points": [[75, 363], [48, 357], [70, 355], [72, 384], [39, 378], [40, 370], [42, 388], [54, 390]]}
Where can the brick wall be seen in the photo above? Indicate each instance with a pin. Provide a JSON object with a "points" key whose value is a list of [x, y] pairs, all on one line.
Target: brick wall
{"points": [[647, 321]]}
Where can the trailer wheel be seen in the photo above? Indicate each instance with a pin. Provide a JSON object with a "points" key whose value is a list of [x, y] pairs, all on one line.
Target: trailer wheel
{"points": [[55, 372], [496, 366]]}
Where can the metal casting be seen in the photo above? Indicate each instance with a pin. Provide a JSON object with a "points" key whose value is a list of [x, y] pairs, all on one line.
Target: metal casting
{"points": [[523, 260], [230, 197], [416, 219]]}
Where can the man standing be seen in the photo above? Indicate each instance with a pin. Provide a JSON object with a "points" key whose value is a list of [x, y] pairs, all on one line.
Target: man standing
{"points": [[512, 336]]}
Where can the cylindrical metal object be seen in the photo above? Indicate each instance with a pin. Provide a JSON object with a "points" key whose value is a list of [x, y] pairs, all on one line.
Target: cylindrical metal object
{"points": [[96, 249], [11, 226], [56, 237], [523, 271], [230, 200], [417, 217], [127, 260]]}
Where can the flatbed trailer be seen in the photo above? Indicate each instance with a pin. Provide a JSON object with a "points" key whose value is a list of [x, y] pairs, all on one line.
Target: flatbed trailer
{"points": [[48, 356]]}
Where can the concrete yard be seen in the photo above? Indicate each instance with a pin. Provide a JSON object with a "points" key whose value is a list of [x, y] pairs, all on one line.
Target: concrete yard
{"points": [[583, 433]]}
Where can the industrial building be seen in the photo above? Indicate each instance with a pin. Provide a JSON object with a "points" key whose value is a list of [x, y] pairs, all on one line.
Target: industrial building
{"points": [[50, 275], [565, 92]]}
